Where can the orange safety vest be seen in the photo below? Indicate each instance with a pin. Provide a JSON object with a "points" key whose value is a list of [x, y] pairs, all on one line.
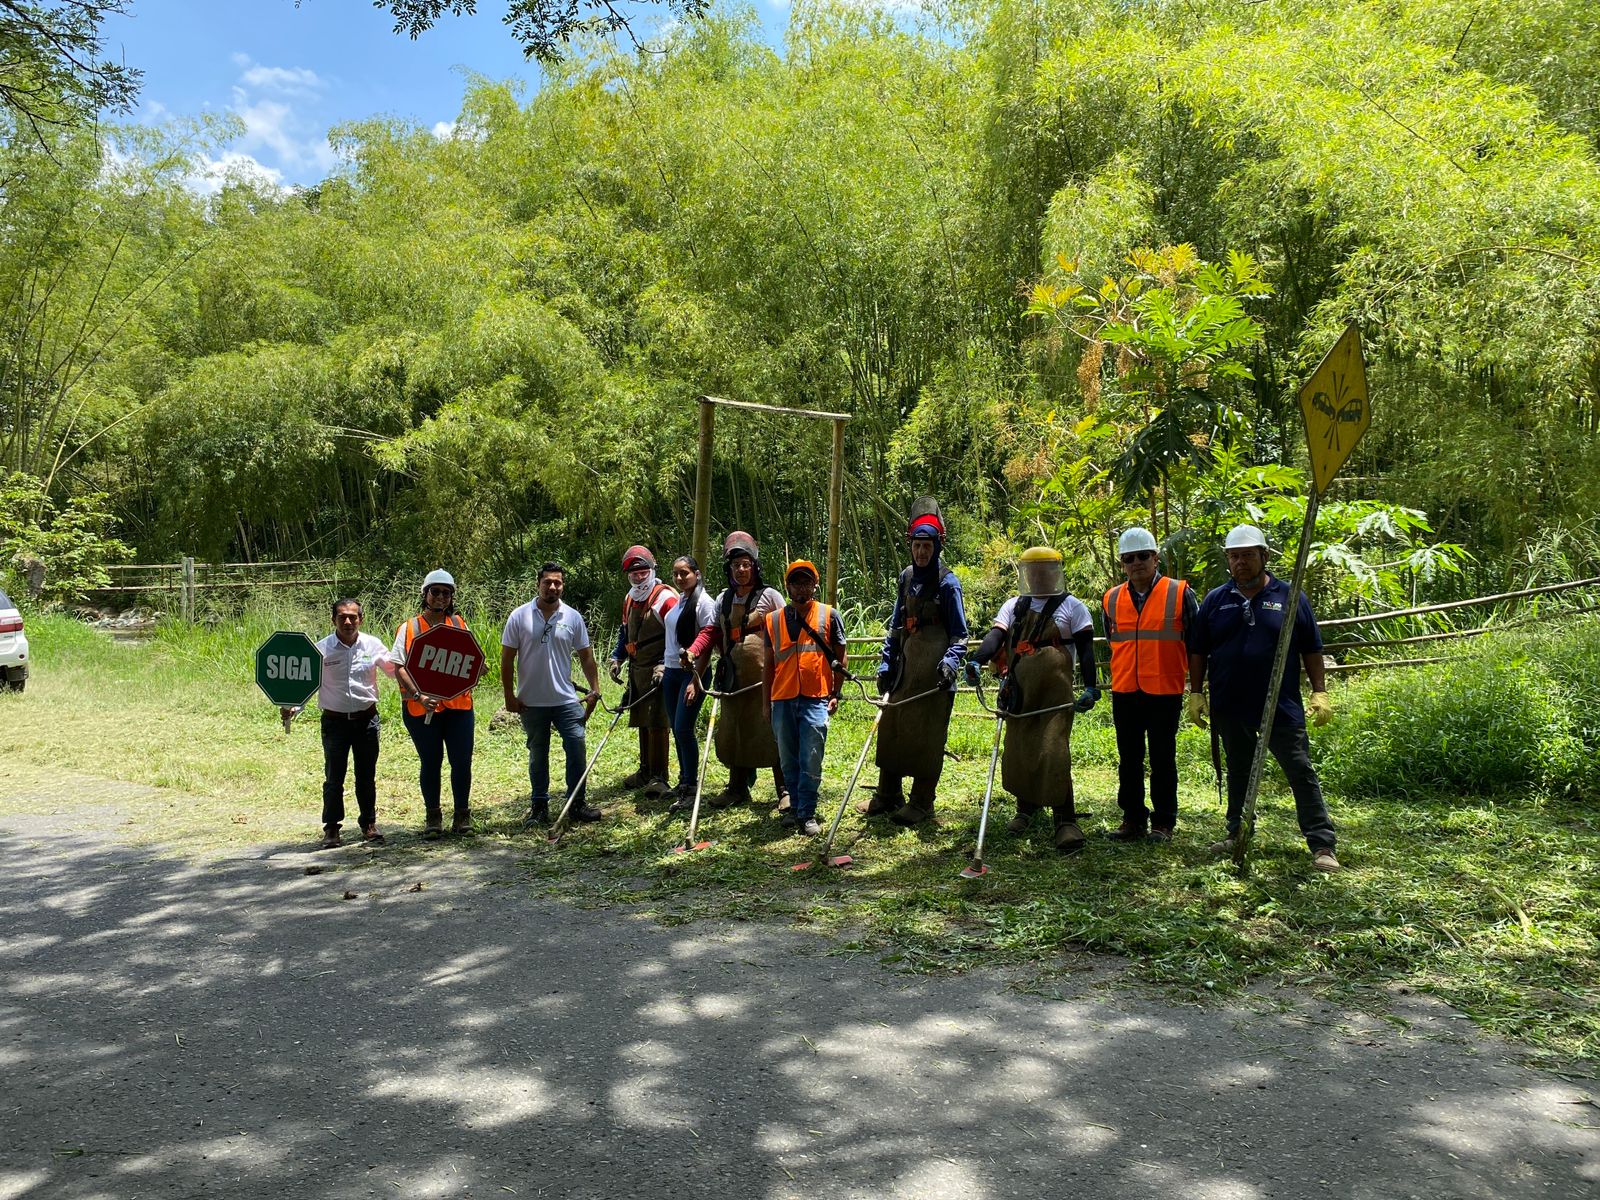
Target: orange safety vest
{"points": [[1147, 650], [800, 667], [413, 627]]}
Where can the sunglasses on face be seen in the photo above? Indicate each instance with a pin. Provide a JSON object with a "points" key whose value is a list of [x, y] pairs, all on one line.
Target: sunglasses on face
{"points": [[441, 591], [1134, 556]]}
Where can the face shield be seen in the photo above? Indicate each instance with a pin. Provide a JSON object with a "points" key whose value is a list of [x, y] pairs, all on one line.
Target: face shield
{"points": [[1039, 573]]}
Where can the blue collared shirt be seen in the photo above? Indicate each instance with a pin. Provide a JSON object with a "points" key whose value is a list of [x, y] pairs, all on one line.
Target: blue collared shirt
{"points": [[951, 611], [1240, 636]]}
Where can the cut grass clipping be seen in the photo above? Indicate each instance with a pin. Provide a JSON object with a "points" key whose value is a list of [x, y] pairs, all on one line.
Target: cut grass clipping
{"points": [[1464, 796]]}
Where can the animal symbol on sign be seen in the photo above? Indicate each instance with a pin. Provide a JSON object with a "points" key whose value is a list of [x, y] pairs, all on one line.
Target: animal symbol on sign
{"points": [[1343, 409]]}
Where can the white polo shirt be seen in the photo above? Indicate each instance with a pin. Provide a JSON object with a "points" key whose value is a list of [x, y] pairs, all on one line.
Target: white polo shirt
{"points": [[349, 673], [544, 652]]}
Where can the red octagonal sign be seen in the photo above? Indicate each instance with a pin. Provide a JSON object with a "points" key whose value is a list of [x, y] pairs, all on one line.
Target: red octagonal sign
{"points": [[445, 661]]}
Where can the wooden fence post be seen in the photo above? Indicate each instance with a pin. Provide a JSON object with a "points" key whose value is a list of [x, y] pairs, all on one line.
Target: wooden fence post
{"points": [[187, 601]]}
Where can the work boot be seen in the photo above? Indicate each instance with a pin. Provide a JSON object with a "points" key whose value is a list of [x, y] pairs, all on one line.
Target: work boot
{"points": [[582, 810], [433, 826], [1224, 848], [461, 821], [538, 814], [657, 787], [683, 802], [883, 801], [330, 836], [1323, 860], [914, 813], [370, 834], [1069, 838], [1129, 831], [638, 779], [1158, 834], [1020, 823], [727, 797]]}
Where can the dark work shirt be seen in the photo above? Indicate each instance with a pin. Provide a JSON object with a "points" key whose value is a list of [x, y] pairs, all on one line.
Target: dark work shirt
{"points": [[1240, 636]]}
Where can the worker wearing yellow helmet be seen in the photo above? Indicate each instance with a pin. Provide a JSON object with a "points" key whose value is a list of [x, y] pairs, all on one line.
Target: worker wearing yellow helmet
{"points": [[1036, 638]]}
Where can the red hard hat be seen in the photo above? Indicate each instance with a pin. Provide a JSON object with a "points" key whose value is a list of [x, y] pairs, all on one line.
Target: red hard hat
{"points": [[637, 556]]}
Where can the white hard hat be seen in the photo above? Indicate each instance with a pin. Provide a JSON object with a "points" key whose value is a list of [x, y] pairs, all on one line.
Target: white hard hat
{"points": [[1136, 538], [1242, 537], [439, 576]]}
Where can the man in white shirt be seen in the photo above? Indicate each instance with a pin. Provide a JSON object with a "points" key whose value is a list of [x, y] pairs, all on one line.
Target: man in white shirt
{"points": [[536, 652], [348, 699]]}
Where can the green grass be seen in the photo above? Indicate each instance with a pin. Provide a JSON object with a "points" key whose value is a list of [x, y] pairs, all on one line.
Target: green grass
{"points": [[1487, 901]]}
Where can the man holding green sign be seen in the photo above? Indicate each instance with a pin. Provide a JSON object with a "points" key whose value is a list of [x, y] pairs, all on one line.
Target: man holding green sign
{"points": [[342, 669]]}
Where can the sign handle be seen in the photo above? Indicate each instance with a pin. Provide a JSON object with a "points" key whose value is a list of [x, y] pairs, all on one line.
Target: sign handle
{"points": [[289, 714], [1280, 659]]}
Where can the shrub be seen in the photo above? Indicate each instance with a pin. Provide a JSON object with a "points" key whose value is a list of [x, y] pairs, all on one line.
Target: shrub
{"points": [[1516, 710]]}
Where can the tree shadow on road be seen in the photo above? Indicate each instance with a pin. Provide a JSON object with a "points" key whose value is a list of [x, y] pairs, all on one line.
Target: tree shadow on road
{"points": [[241, 1029]]}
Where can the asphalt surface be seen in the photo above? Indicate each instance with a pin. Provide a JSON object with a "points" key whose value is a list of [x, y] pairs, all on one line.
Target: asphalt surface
{"points": [[240, 1029]]}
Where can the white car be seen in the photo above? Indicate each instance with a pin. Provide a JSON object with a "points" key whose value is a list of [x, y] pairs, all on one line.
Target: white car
{"points": [[13, 647]]}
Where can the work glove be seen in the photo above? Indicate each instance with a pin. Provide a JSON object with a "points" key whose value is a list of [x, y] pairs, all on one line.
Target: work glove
{"points": [[658, 673], [947, 675], [614, 669], [1198, 708], [1321, 708], [974, 673], [1086, 699], [883, 683]]}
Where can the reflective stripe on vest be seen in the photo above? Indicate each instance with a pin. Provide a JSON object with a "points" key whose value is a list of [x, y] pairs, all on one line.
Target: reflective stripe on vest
{"points": [[414, 627], [1147, 650], [800, 667]]}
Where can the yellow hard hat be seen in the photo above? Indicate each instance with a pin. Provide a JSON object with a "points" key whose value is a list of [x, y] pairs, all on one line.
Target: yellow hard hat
{"points": [[1039, 554]]}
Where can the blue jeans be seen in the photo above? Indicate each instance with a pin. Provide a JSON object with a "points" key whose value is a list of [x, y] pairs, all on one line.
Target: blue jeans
{"points": [[450, 732], [682, 716], [801, 727], [536, 723]]}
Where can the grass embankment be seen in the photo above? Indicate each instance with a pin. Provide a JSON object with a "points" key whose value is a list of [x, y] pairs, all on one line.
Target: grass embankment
{"points": [[1487, 899]]}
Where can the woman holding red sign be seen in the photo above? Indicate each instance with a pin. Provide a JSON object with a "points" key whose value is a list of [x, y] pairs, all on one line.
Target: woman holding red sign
{"points": [[450, 730]]}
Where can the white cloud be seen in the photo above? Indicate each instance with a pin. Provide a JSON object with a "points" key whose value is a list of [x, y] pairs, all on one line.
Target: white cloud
{"points": [[210, 174], [444, 130], [276, 126], [295, 80]]}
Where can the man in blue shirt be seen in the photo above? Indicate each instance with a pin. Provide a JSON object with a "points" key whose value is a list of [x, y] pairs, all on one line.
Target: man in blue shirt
{"points": [[1236, 636]]}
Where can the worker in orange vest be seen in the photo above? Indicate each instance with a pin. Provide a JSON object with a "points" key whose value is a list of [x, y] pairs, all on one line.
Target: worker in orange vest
{"points": [[800, 688], [1147, 619]]}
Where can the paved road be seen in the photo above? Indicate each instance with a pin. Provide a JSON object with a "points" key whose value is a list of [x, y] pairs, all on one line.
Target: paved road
{"points": [[239, 1029]]}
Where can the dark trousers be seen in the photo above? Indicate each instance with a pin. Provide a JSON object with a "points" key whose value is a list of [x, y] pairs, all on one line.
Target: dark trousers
{"points": [[682, 716], [450, 733], [1141, 718], [343, 737], [1292, 749], [568, 721]]}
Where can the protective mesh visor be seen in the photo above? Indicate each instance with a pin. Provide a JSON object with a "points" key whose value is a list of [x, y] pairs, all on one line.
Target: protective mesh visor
{"points": [[1039, 578]]}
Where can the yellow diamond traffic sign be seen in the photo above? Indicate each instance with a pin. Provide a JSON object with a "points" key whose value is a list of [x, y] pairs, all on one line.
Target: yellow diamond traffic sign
{"points": [[1336, 408]]}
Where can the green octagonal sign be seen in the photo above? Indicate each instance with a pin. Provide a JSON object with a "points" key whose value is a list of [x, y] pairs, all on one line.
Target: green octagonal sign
{"points": [[288, 668]]}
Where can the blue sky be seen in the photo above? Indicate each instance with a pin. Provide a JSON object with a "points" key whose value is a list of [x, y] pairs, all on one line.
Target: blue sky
{"points": [[293, 73]]}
